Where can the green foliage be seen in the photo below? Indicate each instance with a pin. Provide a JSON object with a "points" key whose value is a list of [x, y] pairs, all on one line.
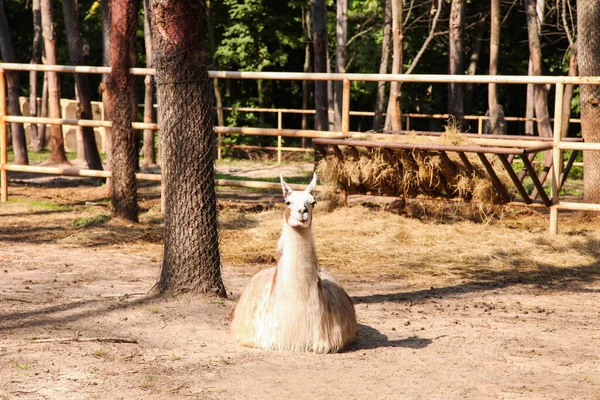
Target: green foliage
{"points": [[269, 35]]}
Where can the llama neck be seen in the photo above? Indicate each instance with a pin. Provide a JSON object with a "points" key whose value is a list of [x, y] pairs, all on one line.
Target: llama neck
{"points": [[297, 266]]}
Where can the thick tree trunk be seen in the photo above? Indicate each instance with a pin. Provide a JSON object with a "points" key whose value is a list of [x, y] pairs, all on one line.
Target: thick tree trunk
{"points": [[319, 33], [455, 62], [19, 142], [493, 106], [148, 151], [106, 105], [394, 112], [341, 38], [120, 91], [535, 54], [383, 65], [84, 97], [568, 94], [37, 143], [588, 55], [191, 244], [57, 146]]}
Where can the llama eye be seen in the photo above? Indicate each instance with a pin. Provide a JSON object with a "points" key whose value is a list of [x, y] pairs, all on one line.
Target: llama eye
{"points": [[287, 203]]}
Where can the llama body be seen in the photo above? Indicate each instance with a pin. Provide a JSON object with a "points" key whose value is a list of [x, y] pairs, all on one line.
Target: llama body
{"points": [[295, 306]]}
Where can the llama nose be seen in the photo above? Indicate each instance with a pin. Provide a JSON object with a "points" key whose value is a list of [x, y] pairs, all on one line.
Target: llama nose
{"points": [[303, 210]]}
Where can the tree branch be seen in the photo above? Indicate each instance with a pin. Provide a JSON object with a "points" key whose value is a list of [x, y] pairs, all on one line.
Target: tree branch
{"points": [[426, 43]]}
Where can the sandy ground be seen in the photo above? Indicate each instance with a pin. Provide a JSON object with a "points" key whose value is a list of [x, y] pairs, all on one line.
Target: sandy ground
{"points": [[512, 336]]}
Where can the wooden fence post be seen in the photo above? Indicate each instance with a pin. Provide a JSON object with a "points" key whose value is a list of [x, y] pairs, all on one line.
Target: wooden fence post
{"points": [[279, 126], [557, 158], [3, 141], [346, 107]]}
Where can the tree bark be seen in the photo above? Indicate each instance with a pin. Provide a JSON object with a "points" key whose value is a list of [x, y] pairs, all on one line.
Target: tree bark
{"points": [[106, 101], [84, 97], [394, 111], [37, 142], [588, 55], [455, 62], [493, 106], [148, 151], [120, 91], [341, 38], [319, 34], [383, 65], [57, 148], [19, 142], [191, 261], [535, 55]]}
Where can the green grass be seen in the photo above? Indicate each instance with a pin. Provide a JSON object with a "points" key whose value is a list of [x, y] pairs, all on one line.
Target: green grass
{"points": [[86, 222], [37, 157], [41, 205]]}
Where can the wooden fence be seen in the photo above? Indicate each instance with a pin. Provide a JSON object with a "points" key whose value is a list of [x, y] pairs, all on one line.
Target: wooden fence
{"points": [[558, 145]]}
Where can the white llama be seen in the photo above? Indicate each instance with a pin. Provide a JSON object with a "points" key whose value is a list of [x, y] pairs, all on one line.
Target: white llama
{"points": [[295, 306]]}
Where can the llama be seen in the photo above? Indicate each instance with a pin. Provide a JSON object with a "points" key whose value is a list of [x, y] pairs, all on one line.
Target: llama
{"points": [[295, 306]]}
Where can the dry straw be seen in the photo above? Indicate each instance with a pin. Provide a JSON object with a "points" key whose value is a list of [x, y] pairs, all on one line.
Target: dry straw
{"points": [[412, 173]]}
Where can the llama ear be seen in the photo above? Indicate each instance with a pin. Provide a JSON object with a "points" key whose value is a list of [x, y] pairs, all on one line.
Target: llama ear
{"points": [[287, 190], [311, 186]]}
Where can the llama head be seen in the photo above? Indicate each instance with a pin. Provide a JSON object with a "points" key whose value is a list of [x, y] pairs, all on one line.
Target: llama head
{"points": [[299, 204]]}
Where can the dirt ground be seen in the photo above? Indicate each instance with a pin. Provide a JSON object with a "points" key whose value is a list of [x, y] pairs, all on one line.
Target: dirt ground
{"points": [[490, 308]]}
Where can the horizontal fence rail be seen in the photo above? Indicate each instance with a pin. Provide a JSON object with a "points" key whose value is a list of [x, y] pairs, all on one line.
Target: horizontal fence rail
{"points": [[558, 145]]}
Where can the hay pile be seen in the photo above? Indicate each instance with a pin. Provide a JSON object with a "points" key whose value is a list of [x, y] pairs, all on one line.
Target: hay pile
{"points": [[413, 173]]}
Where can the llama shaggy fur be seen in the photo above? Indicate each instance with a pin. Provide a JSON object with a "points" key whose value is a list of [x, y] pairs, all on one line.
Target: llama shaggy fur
{"points": [[296, 306]]}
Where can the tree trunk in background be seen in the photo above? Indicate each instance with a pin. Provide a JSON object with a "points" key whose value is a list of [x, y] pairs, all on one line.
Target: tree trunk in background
{"points": [[456, 54], [19, 142], [57, 146], [535, 55], [120, 91], [106, 105], [588, 56], [530, 105], [568, 94], [473, 61], [493, 106], [306, 22], [84, 97], [148, 152], [213, 46], [341, 38], [43, 110], [319, 33], [383, 64], [37, 142], [394, 112], [191, 261]]}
